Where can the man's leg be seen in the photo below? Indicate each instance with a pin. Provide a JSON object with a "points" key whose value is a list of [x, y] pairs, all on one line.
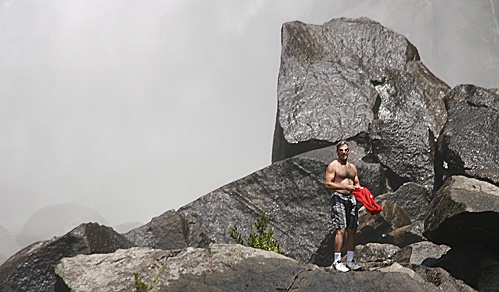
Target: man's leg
{"points": [[350, 245], [338, 215], [338, 245], [338, 240]]}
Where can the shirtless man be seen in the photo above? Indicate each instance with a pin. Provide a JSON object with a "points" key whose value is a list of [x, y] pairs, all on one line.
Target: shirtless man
{"points": [[342, 178]]}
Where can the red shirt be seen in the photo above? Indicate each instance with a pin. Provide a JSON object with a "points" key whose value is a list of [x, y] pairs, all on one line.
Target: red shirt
{"points": [[364, 196]]}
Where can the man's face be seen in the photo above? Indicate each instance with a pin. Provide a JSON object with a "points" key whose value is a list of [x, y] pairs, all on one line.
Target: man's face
{"points": [[343, 152]]}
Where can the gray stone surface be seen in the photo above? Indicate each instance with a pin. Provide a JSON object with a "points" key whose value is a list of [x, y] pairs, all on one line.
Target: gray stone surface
{"points": [[420, 252], [390, 280], [112, 272], [377, 228], [375, 252], [469, 143], [292, 192], [170, 230], [219, 267], [441, 279], [406, 235], [162, 232], [413, 198], [464, 210]]}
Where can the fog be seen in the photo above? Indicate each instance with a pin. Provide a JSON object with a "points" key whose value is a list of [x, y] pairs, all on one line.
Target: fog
{"points": [[133, 108]]}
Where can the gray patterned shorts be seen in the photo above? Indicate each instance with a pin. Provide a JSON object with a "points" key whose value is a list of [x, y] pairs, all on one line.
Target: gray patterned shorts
{"points": [[344, 211]]}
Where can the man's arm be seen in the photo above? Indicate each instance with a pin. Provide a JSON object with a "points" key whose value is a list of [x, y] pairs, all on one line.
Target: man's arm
{"points": [[330, 173]]}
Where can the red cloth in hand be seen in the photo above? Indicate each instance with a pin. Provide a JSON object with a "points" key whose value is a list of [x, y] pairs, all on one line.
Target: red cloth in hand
{"points": [[364, 196]]}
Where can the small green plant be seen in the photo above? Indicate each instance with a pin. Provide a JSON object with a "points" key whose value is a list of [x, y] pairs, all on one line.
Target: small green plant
{"points": [[263, 239], [140, 286], [234, 233]]}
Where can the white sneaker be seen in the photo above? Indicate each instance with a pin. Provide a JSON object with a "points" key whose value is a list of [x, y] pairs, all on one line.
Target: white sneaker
{"points": [[353, 266], [340, 267]]}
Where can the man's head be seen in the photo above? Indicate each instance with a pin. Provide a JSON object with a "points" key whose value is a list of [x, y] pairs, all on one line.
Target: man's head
{"points": [[341, 143], [342, 150]]}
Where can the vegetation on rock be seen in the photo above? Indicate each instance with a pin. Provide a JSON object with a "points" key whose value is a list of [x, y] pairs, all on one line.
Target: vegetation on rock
{"points": [[141, 286], [263, 239]]}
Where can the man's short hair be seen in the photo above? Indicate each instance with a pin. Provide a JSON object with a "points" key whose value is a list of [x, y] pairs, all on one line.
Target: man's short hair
{"points": [[341, 143]]}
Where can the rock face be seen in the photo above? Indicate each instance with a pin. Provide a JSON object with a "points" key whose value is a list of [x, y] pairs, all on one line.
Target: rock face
{"points": [[355, 79], [289, 191], [469, 143], [32, 269]]}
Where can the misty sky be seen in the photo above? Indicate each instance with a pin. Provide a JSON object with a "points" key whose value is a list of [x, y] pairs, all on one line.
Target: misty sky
{"points": [[133, 108]]}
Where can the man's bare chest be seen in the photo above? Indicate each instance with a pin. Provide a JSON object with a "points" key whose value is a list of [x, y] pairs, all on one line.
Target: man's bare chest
{"points": [[345, 171]]}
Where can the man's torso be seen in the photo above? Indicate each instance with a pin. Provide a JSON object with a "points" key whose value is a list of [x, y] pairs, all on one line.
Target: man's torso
{"points": [[344, 174]]}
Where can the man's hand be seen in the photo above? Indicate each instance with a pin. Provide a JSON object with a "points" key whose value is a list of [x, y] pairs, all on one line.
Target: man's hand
{"points": [[351, 188]]}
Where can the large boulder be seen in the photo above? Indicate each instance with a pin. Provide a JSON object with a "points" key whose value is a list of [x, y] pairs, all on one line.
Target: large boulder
{"points": [[355, 79], [114, 271], [464, 210], [469, 143], [32, 269], [219, 267]]}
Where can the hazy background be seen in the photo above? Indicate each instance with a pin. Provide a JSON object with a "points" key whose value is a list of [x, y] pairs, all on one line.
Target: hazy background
{"points": [[126, 109]]}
